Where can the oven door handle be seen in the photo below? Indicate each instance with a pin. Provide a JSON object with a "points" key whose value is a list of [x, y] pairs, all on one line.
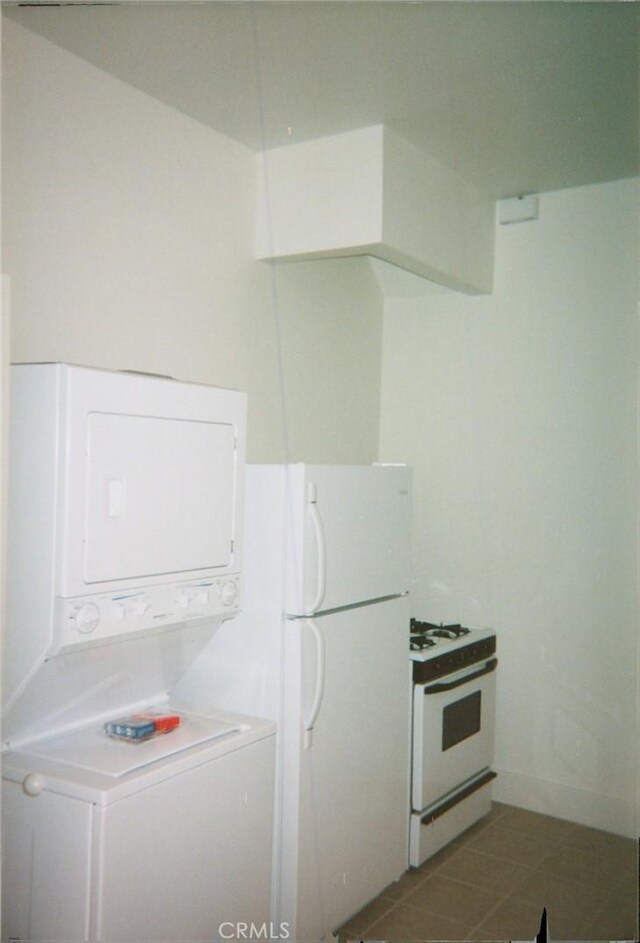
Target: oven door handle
{"points": [[450, 685]]}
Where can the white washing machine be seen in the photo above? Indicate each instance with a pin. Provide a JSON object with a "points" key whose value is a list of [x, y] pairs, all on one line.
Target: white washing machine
{"points": [[167, 839], [124, 557]]}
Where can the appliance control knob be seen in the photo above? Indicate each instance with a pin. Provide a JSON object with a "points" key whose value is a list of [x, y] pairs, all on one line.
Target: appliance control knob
{"points": [[32, 784], [229, 593], [142, 608], [87, 618]]}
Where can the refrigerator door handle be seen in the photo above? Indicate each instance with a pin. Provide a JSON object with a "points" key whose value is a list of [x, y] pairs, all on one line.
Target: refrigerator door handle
{"points": [[319, 685], [321, 547]]}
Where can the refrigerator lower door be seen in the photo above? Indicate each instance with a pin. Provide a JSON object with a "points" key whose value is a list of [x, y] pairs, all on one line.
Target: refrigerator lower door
{"points": [[344, 801]]}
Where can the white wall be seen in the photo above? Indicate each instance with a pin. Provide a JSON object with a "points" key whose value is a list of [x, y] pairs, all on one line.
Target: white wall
{"points": [[330, 318], [128, 233], [517, 411]]}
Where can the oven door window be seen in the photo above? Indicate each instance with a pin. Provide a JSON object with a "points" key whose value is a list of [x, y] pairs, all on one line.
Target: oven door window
{"points": [[461, 720]]}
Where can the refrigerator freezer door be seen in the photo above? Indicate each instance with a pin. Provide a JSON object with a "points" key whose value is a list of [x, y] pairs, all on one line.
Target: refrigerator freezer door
{"points": [[345, 799], [348, 535]]}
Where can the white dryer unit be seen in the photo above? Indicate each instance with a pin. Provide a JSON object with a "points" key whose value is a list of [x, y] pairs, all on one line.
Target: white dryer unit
{"points": [[124, 555], [124, 521]]}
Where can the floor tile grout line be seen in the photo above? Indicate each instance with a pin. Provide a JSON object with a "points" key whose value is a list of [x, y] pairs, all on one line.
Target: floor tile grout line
{"points": [[488, 914], [380, 916], [535, 867], [505, 896], [557, 841], [465, 844], [474, 928], [606, 904], [430, 913], [562, 824], [501, 899], [454, 916], [455, 880]]}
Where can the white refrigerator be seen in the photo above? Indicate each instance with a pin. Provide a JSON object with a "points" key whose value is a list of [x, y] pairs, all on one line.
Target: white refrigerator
{"points": [[322, 648]]}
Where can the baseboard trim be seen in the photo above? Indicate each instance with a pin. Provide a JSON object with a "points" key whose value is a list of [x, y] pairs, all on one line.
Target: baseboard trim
{"points": [[566, 802]]}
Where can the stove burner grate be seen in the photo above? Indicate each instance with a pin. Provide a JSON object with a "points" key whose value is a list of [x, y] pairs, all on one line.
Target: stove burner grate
{"points": [[419, 642], [446, 631], [431, 630]]}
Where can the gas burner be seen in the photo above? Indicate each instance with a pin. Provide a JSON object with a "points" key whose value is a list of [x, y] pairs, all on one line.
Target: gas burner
{"points": [[429, 641], [432, 630], [419, 642], [447, 631]]}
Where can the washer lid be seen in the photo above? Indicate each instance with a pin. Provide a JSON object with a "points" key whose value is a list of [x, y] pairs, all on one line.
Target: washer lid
{"points": [[94, 751]]}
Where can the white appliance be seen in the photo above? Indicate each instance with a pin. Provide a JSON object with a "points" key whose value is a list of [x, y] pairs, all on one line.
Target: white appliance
{"points": [[453, 732], [169, 839], [124, 519], [321, 648], [124, 555]]}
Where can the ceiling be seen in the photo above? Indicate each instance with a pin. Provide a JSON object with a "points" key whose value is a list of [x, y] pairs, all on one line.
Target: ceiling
{"points": [[517, 97]]}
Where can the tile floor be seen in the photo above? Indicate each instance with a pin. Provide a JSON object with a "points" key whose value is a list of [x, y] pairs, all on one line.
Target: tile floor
{"points": [[494, 880]]}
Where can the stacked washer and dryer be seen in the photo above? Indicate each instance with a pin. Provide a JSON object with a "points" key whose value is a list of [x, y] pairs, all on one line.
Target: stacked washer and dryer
{"points": [[124, 556]]}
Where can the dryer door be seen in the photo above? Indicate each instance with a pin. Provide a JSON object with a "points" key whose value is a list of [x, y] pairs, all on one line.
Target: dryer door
{"points": [[150, 475], [160, 496]]}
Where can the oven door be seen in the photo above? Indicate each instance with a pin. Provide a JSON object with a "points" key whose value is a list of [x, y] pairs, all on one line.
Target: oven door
{"points": [[453, 728]]}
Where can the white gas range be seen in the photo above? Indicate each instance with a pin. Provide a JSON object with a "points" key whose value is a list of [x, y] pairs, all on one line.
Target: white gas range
{"points": [[453, 732]]}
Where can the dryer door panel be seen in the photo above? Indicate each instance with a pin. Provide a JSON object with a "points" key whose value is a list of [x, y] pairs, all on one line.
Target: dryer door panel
{"points": [[160, 496]]}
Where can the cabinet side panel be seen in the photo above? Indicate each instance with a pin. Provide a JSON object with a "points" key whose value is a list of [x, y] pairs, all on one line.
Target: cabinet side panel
{"points": [[33, 444], [45, 868]]}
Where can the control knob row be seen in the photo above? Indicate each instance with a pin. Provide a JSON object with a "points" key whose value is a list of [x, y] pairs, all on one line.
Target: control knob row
{"points": [[229, 593], [142, 607], [88, 615], [87, 618], [228, 596]]}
